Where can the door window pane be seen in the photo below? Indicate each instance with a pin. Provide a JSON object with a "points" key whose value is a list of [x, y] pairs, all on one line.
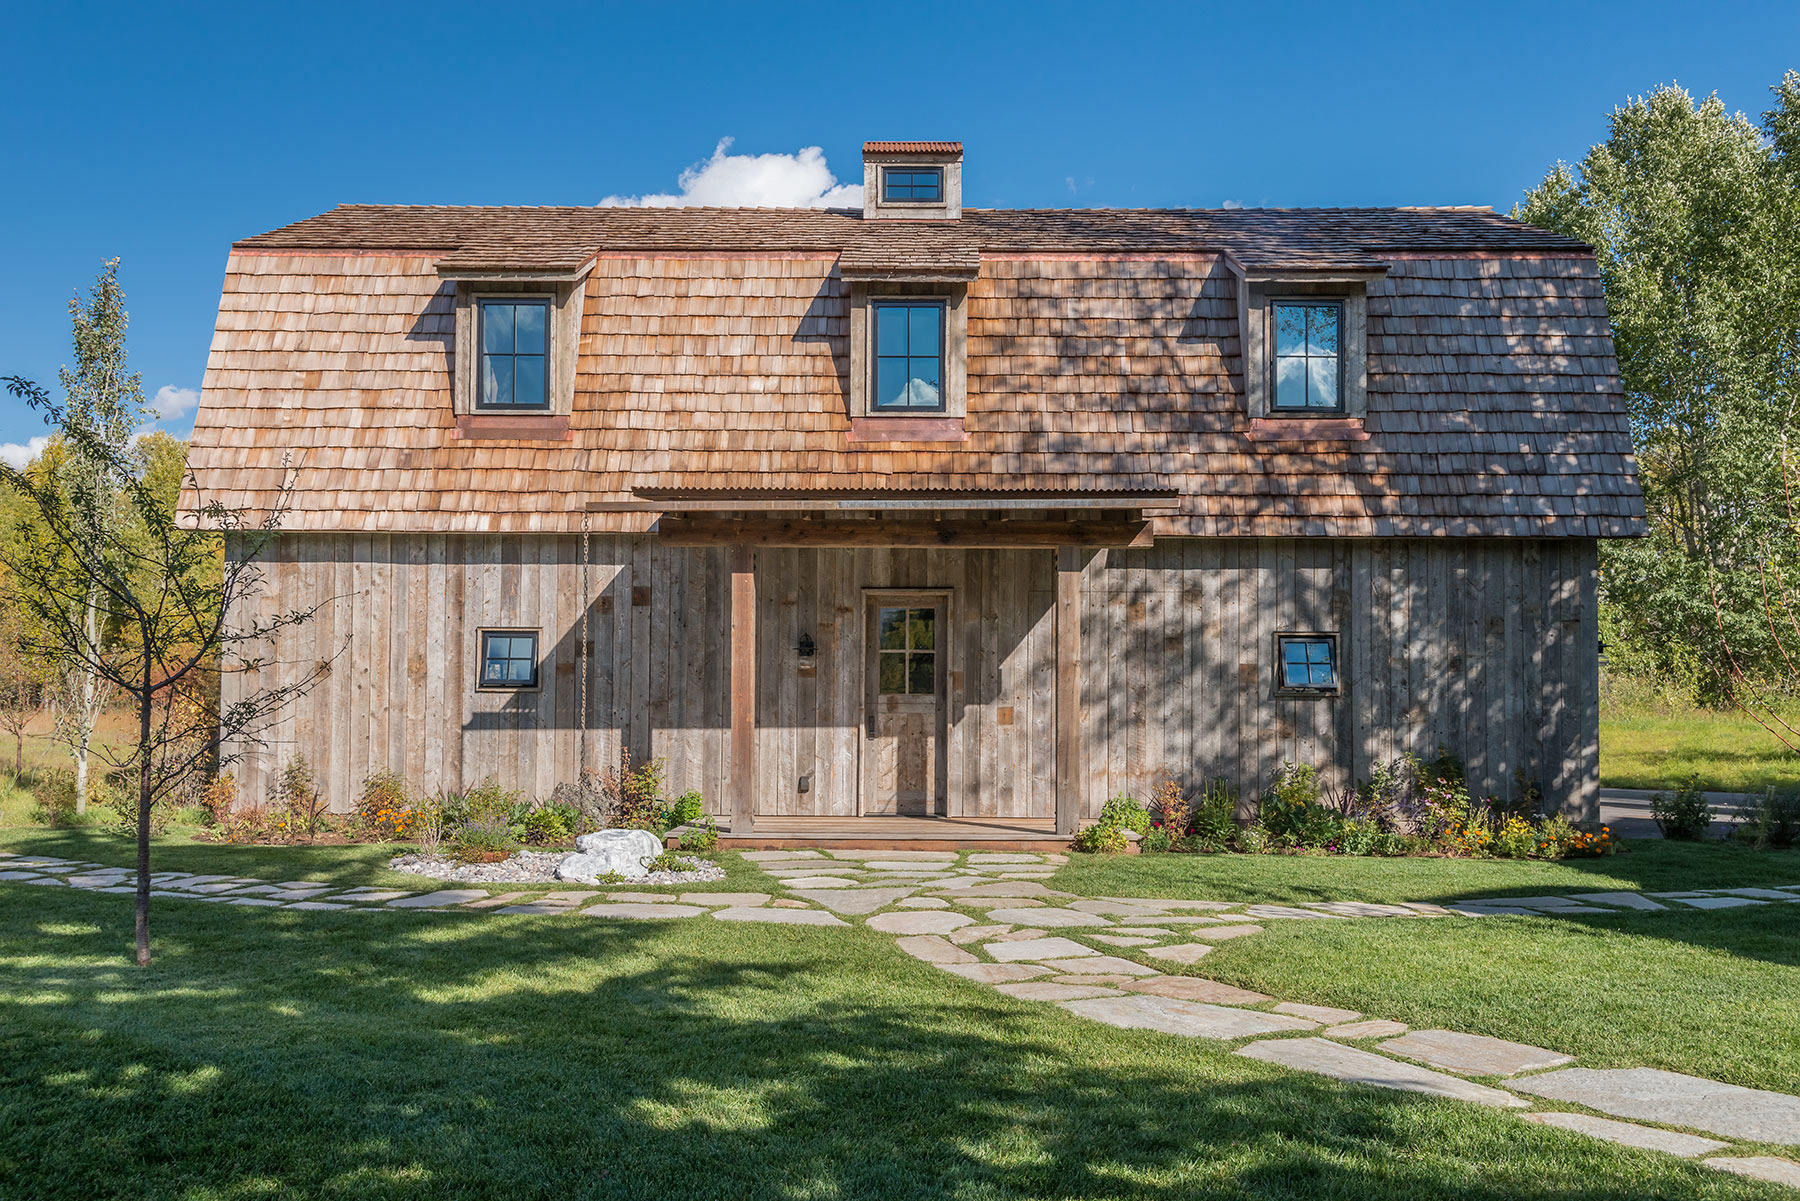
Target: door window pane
{"points": [[906, 641], [921, 674]]}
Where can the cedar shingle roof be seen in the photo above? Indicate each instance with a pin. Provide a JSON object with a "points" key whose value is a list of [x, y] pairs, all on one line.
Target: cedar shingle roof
{"points": [[1494, 406], [937, 148], [565, 238]]}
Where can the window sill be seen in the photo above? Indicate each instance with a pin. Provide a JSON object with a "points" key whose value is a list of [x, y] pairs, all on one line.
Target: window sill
{"points": [[512, 427], [907, 429], [1307, 429]]}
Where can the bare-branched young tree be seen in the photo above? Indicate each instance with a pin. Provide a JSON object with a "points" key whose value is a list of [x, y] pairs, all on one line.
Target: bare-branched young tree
{"points": [[165, 591], [24, 681]]}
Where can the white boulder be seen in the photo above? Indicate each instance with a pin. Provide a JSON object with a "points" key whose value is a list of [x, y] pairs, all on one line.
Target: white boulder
{"points": [[624, 852]]}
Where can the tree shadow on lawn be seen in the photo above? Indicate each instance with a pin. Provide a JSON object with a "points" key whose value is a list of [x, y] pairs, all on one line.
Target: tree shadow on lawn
{"points": [[420, 1055]]}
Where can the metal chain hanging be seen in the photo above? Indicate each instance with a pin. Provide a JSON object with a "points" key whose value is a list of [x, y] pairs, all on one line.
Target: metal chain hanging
{"points": [[582, 656]]}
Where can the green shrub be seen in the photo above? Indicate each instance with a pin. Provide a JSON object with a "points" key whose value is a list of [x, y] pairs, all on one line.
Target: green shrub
{"points": [[1514, 839], [1102, 838], [297, 799], [1125, 813], [1554, 837], [54, 797], [669, 861], [1214, 821], [1771, 821], [485, 839], [1291, 813], [1156, 840], [1685, 814], [548, 824], [701, 836], [688, 807], [1387, 844], [1357, 836]]}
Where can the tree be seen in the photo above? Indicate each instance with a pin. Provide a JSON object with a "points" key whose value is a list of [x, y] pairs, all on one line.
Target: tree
{"points": [[1694, 213], [23, 680], [142, 601], [105, 402]]}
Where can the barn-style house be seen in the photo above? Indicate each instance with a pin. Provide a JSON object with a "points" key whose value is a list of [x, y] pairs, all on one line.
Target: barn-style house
{"points": [[922, 521]]}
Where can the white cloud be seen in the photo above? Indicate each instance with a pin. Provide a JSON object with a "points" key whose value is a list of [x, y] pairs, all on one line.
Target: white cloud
{"points": [[1231, 204], [789, 181], [171, 402], [16, 455]]}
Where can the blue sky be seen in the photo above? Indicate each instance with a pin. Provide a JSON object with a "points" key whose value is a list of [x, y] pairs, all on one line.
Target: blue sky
{"points": [[159, 134]]}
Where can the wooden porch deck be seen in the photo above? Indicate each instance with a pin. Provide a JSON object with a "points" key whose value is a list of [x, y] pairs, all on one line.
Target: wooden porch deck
{"points": [[898, 833]]}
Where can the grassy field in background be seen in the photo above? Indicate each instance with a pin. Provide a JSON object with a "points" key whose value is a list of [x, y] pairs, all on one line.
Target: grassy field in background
{"points": [[1648, 742]]}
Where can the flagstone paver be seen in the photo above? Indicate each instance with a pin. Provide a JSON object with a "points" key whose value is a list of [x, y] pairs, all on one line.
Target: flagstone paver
{"points": [[1628, 1134], [933, 948], [18, 875], [1287, 912], [1142, 931], [265, 901], [918, 923], [1047, 916], [822, 882], [853, 900], [1191, 1019], [923, 903], [1767, 894], [1365, 1067], [1474, 1054], [1104, 979], [1039, 949], [1759, 1167], [1325, 1015], [1623, 900], [534, 909], [637, 909], [1099, 963], [1718, 902], [779, 917], [1048, 990], [1181, 952], [1193, 988], [447, 896], [317, 905], [1002, 857], [1653, 1095], [1220, 933], [995, 973], [725, 898], [1125, 940], [1373, 1028], [969, 934]]}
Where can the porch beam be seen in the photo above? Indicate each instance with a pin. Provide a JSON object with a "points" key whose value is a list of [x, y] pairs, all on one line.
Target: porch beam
{"points": [[1069, 773], [963, 534], [743, 689]]}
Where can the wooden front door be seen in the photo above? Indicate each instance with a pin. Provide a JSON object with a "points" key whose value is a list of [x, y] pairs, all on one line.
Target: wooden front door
{"points": [[903, 760]]}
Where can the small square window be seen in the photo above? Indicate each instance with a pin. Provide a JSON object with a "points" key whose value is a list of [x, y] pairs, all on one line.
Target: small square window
{"points": [[1306, 663], [515, 354], [1307, 372], [913, 185], [509, 659], [906, 647]]}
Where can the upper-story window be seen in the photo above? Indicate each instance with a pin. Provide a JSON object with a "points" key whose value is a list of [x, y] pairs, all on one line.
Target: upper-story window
{"points": [[515, 354], [919, 185], [909, 355], [1308, 360]]}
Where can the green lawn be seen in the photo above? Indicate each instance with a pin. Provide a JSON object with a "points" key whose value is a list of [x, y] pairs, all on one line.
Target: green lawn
{"points": [[1654, 744], [324, 1055], [1647, 864]]}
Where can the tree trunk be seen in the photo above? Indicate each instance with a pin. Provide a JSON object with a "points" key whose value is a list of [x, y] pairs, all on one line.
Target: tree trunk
{"points": [[90, 687], [144, 700], [19, 753]]}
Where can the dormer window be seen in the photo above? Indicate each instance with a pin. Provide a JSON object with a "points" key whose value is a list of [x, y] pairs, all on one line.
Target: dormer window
{"points": [[1308, 363], [909, 356], [912, 185], [515, 354]]}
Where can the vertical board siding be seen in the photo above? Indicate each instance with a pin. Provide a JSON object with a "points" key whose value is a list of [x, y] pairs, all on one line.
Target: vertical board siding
{"points": [[1485, 646]]}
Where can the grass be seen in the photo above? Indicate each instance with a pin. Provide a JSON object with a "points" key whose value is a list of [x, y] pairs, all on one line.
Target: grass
{"points": [[1649, 864], [330, 1055], [1712, 993], [1646, 742], [343, 866]]}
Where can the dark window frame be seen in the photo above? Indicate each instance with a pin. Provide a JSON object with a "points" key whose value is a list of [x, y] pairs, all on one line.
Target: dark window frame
{"points": [[1281, 642], [889, 196], [481, 661], [482, 354], [876, 304], [1276, 303]]}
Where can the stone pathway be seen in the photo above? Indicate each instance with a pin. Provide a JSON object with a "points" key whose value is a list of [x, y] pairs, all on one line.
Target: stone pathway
{"points": [[992, 919]]}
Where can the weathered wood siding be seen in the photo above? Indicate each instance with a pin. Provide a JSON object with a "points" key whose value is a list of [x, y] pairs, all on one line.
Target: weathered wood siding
{"points": [[1486, 646]]}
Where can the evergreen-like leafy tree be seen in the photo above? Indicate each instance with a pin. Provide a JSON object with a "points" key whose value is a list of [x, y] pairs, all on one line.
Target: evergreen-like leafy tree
{"points": [[1694, 212]]}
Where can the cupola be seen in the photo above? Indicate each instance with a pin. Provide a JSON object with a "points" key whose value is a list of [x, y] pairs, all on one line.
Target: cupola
{"points": [[912, 180]]}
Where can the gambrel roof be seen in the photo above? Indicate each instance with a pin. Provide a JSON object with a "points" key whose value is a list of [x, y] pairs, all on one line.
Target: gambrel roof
{"points": [[1103, 353]]}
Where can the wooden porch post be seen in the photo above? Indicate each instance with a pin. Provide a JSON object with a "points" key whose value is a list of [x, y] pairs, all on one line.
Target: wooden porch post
{"points": [[1068, 688], [743, 688]]}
